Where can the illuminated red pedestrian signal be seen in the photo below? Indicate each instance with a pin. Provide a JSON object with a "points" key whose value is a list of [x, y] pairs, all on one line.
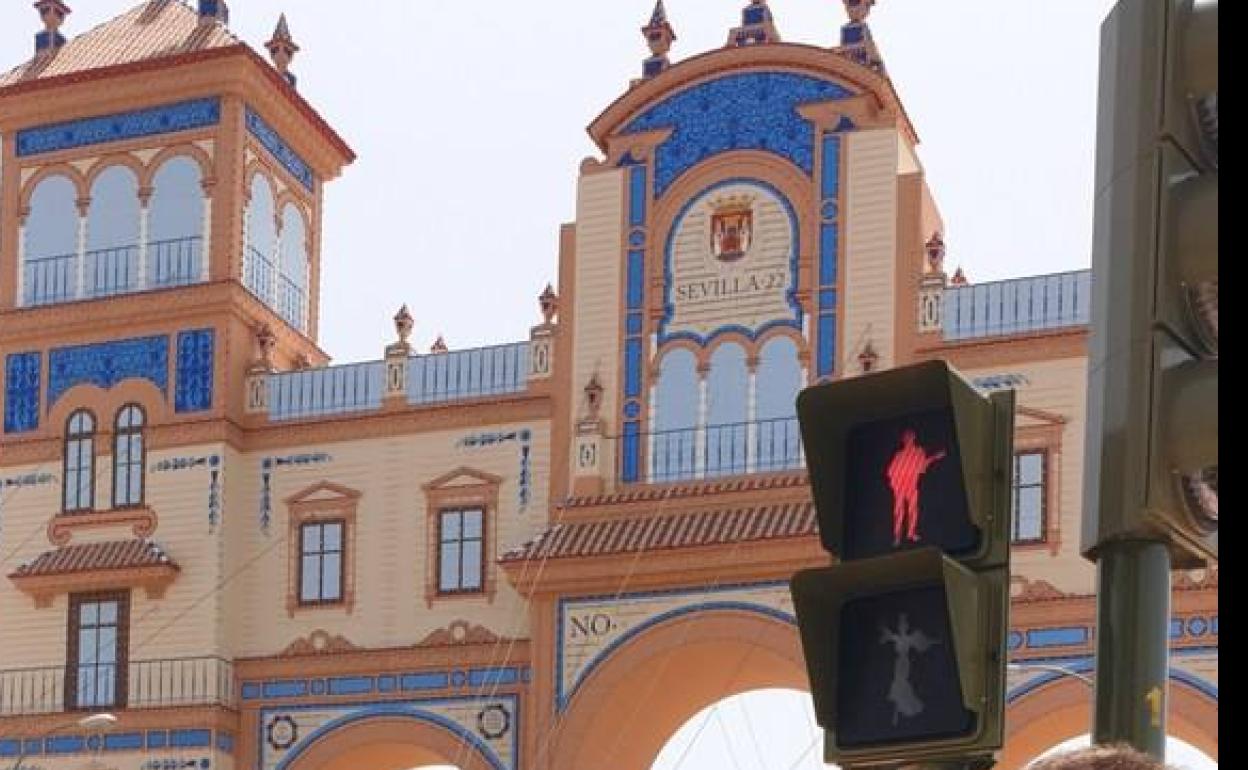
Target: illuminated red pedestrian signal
{"points": [[908, 490], [879, 492], [905, 638]]}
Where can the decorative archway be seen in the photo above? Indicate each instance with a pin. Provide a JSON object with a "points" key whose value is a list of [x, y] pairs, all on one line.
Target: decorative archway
{"points": [[634, 701], [1062, 710], [395, 741]]}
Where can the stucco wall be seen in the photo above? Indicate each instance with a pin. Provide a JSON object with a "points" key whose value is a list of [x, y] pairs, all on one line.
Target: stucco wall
{"points": [[871, 245]]}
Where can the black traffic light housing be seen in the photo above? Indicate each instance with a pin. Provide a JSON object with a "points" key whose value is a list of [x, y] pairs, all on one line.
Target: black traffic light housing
{"points": [[838, 418], [905, 639], [1150, 463]]}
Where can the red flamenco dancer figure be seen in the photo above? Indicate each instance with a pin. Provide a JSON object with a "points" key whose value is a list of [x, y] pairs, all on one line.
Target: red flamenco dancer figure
{"points": [[905, 471]]}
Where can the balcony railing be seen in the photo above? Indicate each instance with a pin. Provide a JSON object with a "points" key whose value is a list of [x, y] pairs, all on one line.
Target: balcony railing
{"points": [[432, 379], [277, 290], [331, 390], [175, 262], [689, 454], [207, 681], [259, 273], [48, 280], [290, 301], [112, 271], [1018, 306], [474, 373]]}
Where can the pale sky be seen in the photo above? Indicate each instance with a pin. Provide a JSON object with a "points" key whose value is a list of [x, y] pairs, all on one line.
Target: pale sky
{"points": [[469, 121]]}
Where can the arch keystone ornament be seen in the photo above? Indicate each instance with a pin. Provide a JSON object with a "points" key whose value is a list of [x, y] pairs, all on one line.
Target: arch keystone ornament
{"points": [[905, 639]]}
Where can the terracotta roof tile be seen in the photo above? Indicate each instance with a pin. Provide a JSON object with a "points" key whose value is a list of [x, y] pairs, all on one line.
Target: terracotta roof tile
{"points": [[693, 489], [89, 557], [677, 530], [150, 30]]}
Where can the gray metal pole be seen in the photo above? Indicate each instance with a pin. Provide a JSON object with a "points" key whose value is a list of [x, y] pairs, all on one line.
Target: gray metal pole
{"points": [[1133, 644]]}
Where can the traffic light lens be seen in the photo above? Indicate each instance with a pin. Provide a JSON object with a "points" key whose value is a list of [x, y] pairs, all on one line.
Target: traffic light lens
{"points": [[906, 488], [897, 678]]}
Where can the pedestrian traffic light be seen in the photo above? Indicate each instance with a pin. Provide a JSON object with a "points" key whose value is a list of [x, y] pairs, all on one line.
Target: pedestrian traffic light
{"points": [[904, 639], [1152, 443]]}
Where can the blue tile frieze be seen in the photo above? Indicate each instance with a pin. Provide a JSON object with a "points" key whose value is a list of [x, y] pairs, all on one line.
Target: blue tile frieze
{"points": [[194, 384], [525, 439], [105, 364], [213, 464], [175, 738], [21, 392], [274, 143], [267, 466], [751, 111], [153, 121]]}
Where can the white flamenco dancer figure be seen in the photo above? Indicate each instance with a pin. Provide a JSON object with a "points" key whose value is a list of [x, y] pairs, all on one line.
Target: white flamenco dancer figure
{"points": [[905, 701]]}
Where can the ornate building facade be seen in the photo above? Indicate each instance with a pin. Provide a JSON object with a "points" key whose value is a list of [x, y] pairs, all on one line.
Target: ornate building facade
{"points": [[549, 553]]}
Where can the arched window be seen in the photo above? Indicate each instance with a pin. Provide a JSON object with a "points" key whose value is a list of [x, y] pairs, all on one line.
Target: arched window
{"points": [[50, 264], [293, 289], [175, 224], [259, 272], [727, 411], [779, 379], [672, 442], [128, 457], [79, 475], [112, 258]]}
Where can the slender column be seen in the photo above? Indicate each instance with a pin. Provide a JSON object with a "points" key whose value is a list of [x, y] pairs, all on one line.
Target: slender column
{"points": [[751, 418], [248, 257], [205, 252], [19, 297], [275, 262], [306, 302], [145, 221], [651, 422], [801, 448], [699, 449], [80, 260]]}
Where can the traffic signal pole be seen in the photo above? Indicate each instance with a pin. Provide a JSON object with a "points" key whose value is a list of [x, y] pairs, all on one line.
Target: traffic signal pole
{"points": [[1132, 646], [1150, 464]]}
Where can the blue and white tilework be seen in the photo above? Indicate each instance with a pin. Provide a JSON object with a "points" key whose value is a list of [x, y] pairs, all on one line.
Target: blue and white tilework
{"points": [[274, 143], [105, 364], [750, 111], [164, 119]]}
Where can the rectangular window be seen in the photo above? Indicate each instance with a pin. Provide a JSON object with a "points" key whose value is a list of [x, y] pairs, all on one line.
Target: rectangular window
{"points": [[97, 665], [320, 563], [1030, 487], [461, 563]]}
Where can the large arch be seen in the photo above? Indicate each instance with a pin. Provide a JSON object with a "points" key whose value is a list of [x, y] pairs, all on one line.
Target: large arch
{"points": [[634, 701], [1062, 710], [396, 741]]}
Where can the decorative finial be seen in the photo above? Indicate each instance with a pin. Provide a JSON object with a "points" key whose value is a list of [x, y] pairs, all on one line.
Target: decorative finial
{"points": [[549, 302], [856, 41], [659, 36], [403, 324], [935, 253], [282, 49], [593, 396], [959, 278], [52, 13], [214, 11], [266, 341], [868, 358], [439, 346], [858, 10], [757, 26]]}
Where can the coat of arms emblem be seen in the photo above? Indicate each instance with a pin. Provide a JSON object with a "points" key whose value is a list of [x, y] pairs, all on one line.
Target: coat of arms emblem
{"points": [[732, 227]]}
